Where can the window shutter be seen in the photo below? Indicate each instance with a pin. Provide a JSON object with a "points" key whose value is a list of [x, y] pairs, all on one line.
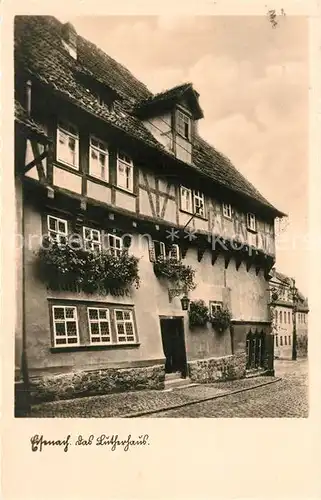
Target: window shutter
{"points": [[162, 249], [151, 250]]}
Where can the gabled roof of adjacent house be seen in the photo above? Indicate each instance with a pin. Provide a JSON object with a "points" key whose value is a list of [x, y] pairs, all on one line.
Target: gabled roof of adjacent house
{"points": [[287, 281], [39, 51]]}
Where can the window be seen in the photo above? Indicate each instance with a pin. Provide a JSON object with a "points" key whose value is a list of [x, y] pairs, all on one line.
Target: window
{"points": [[289, 317], [215, 306], [68, 145], [280, 316], [186, 199], [99, 325], [124, 326], [227, 210], [276, 341], [174, 252], [125, 172], [57, 229], [115, 245], [198, 203], [284, 314], [192, 201], [65, 326], [98, 164], [276, 317], [251, 222], [92, 239], [106, 325], [281, 340], [289, 339], [304, 318], [160, 249], [285, 340], [183, 125]]}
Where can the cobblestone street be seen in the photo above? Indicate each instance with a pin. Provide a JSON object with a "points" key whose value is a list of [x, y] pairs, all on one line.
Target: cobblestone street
{"points": [[274, 398], [286, 398]]}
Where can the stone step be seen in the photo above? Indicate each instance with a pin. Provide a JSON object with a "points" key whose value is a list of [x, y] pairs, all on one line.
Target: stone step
{"points": [[174, 383]]}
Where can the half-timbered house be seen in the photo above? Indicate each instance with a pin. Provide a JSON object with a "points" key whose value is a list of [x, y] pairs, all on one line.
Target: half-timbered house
{"points": [[162, 220]]}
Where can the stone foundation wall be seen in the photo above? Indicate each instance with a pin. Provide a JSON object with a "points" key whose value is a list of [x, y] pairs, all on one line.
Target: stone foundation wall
{"points": [[95, 382], [216, 369]]}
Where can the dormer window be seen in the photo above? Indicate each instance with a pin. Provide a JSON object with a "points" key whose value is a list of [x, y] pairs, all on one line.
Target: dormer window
{"points": [[69, 39], [183, 125]]}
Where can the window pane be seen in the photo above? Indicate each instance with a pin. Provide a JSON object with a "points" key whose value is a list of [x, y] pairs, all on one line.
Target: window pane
{"points": [[59, 313], [71, 328], [94, 328], [70, 312], [102, 313], [60, 329], [72, 340], [121, 329], [104, 326], [93, 314]]}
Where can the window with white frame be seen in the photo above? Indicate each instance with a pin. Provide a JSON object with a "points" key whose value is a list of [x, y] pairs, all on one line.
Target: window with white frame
{"points": [[227, 210], [125, 328], [92, 239], [68, 144], [251, 222], [198, 203], [99, 325], [192, 201], [65, 326], [98, 164], [160, 249], [183, 125], [115, 244], [57, 229], [215, 306], [125, 172], [186, 199], [174, 252]]}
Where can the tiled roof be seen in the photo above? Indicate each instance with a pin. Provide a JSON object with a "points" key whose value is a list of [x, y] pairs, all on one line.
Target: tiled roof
{"points": [[40, 52], [28, 123]]}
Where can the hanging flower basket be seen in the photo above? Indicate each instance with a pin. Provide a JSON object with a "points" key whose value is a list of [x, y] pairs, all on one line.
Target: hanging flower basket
{"points": [[221, 319], [63, 267], [175, 271], [198, 313]]}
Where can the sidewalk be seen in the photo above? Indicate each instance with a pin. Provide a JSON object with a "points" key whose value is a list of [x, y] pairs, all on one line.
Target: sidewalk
{"points": [[140, 403]]}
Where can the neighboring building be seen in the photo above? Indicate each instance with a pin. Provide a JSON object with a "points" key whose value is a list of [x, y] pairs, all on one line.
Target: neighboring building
{"points": [[283, 317], [125, 169]]}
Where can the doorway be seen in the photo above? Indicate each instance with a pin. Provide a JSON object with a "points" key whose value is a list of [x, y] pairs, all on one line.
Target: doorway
{"points": [[255, 350], [172, 330]]}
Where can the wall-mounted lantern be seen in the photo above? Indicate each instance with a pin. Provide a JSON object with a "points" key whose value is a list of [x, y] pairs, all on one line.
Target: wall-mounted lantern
{"points": [[185, 302]]}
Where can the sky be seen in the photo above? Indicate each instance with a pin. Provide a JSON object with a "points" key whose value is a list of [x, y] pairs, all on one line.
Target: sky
{"points": [[253, 85]]}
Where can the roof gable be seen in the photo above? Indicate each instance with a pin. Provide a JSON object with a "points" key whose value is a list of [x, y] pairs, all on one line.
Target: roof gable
{"points": [[163, 101]]}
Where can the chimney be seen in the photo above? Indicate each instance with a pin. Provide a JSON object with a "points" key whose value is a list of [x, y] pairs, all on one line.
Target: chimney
{"points": [[28, 97], [69, 39]]}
